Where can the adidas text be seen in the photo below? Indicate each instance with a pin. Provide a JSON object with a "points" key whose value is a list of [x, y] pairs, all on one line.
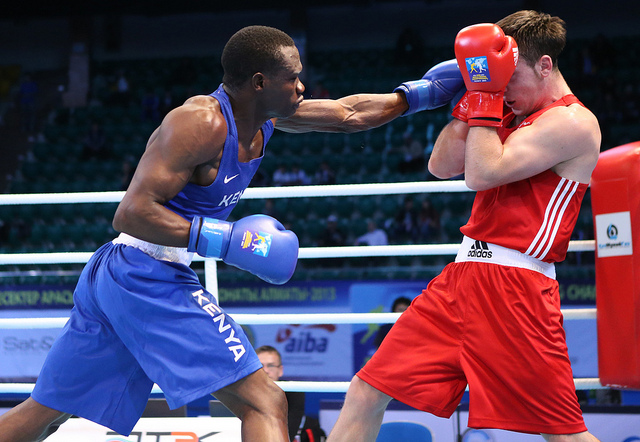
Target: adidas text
{"points": [[477, 253]]}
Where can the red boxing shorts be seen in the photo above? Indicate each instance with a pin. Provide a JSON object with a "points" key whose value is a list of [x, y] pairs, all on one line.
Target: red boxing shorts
{"points": [[497, 328]]}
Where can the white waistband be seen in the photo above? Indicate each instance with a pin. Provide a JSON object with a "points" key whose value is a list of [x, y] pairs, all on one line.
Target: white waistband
{"points": [[480, 251], [163, 253]]}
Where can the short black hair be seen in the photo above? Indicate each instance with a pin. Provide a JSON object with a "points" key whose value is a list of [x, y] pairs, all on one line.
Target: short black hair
{"points": [[253, 49], [537, 34], [400, 300]]}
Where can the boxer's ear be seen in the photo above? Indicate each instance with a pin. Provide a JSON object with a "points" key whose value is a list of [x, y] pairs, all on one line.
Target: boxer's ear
{"points": [[257, 81]]}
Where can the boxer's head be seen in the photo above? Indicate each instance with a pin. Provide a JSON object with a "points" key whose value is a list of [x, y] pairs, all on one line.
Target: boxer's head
{"points": [[253, 49], [536, 34]]}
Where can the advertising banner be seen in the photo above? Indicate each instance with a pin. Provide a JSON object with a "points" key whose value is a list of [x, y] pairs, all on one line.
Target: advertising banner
{"points": [[153, 429], [314, 352], [309, 351], [24, 297]]}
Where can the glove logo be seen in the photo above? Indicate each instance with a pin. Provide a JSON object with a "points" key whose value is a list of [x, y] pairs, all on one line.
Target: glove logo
{"points": [[258, 242], [478, 69]]}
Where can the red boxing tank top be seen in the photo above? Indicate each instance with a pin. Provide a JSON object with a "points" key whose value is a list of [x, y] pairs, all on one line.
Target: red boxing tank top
{"points": [[535, 216]]}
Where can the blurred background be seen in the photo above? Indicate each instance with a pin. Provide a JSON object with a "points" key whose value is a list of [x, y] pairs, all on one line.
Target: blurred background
{"points": [[84, 83]]}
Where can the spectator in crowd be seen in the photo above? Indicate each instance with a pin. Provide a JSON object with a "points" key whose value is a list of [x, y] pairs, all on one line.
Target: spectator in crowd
{"points": [[325, 174], [406, 222], [281, 176], [428, 221], [150, 106], [302, 428], [100, 88], [586, 62], [94, 144], [298, 176], [412, 155], [375, 236], [121, 94], [400, 304], [332, 236]]}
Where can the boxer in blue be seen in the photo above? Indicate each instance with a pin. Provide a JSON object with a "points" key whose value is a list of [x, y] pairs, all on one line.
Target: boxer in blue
{"points": [[141, 316]]}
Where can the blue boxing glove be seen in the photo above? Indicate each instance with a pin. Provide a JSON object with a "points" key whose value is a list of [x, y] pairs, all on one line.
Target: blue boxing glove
{"points": [[437, 88], [258, 244]]}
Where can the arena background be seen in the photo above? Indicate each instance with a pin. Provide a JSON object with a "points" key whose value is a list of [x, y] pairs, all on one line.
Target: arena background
{"points": [[75, 51]]}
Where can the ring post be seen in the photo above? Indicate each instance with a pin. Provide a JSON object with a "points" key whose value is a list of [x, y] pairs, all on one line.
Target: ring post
{"points": [[615, 201]]}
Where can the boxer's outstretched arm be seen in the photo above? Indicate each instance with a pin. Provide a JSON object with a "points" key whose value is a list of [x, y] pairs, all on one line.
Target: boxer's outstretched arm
{"points": [[353, 113], [360, 112]]}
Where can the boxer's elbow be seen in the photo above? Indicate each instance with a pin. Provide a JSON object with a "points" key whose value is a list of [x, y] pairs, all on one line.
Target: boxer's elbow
{"points": [[443, 170], [119, 220], [478, 181], [124, 217]]}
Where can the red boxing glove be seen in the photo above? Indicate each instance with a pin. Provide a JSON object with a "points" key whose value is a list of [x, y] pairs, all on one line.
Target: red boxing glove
{"points": [[460, 111], [487, 59]]}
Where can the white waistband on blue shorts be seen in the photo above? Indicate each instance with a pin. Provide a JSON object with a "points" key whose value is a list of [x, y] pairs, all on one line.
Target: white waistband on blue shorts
{"points": [[163, 253], [480, 251]]}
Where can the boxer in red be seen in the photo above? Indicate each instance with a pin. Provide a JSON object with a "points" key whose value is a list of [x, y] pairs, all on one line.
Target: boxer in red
{"points": [[492, 319]]}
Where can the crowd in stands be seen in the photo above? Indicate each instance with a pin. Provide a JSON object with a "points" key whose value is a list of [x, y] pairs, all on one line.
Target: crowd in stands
{"points": [[127, 101]]}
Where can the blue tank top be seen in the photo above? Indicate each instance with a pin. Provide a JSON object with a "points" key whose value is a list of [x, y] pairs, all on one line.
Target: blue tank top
{"points": [[218, 199]]}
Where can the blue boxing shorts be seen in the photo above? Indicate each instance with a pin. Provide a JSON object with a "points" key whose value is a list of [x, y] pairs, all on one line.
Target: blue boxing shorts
{"points": [[139, 320]]}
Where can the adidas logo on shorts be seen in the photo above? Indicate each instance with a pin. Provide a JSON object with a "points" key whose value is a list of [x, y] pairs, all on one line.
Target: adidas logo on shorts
{"points": [[479, 249]]}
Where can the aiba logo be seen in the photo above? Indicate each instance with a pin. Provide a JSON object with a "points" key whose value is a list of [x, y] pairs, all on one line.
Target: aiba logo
{"points": [[478, 69], [304, 341], [258, 242]]}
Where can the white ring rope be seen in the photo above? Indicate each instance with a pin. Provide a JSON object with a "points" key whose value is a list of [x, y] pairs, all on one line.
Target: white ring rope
{"points": [[255, 192], [280, 318], [305, 253], [341, 387], [309, 386]]}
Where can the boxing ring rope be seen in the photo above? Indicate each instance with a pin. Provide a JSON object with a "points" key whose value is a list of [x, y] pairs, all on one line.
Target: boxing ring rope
{"points": [[301, 386], [255, 192], [305, 253]]}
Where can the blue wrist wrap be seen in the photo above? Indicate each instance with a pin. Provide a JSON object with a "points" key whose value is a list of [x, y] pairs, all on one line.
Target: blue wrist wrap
{"points": [[211, 239], [194, 232], [418, 93]]}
